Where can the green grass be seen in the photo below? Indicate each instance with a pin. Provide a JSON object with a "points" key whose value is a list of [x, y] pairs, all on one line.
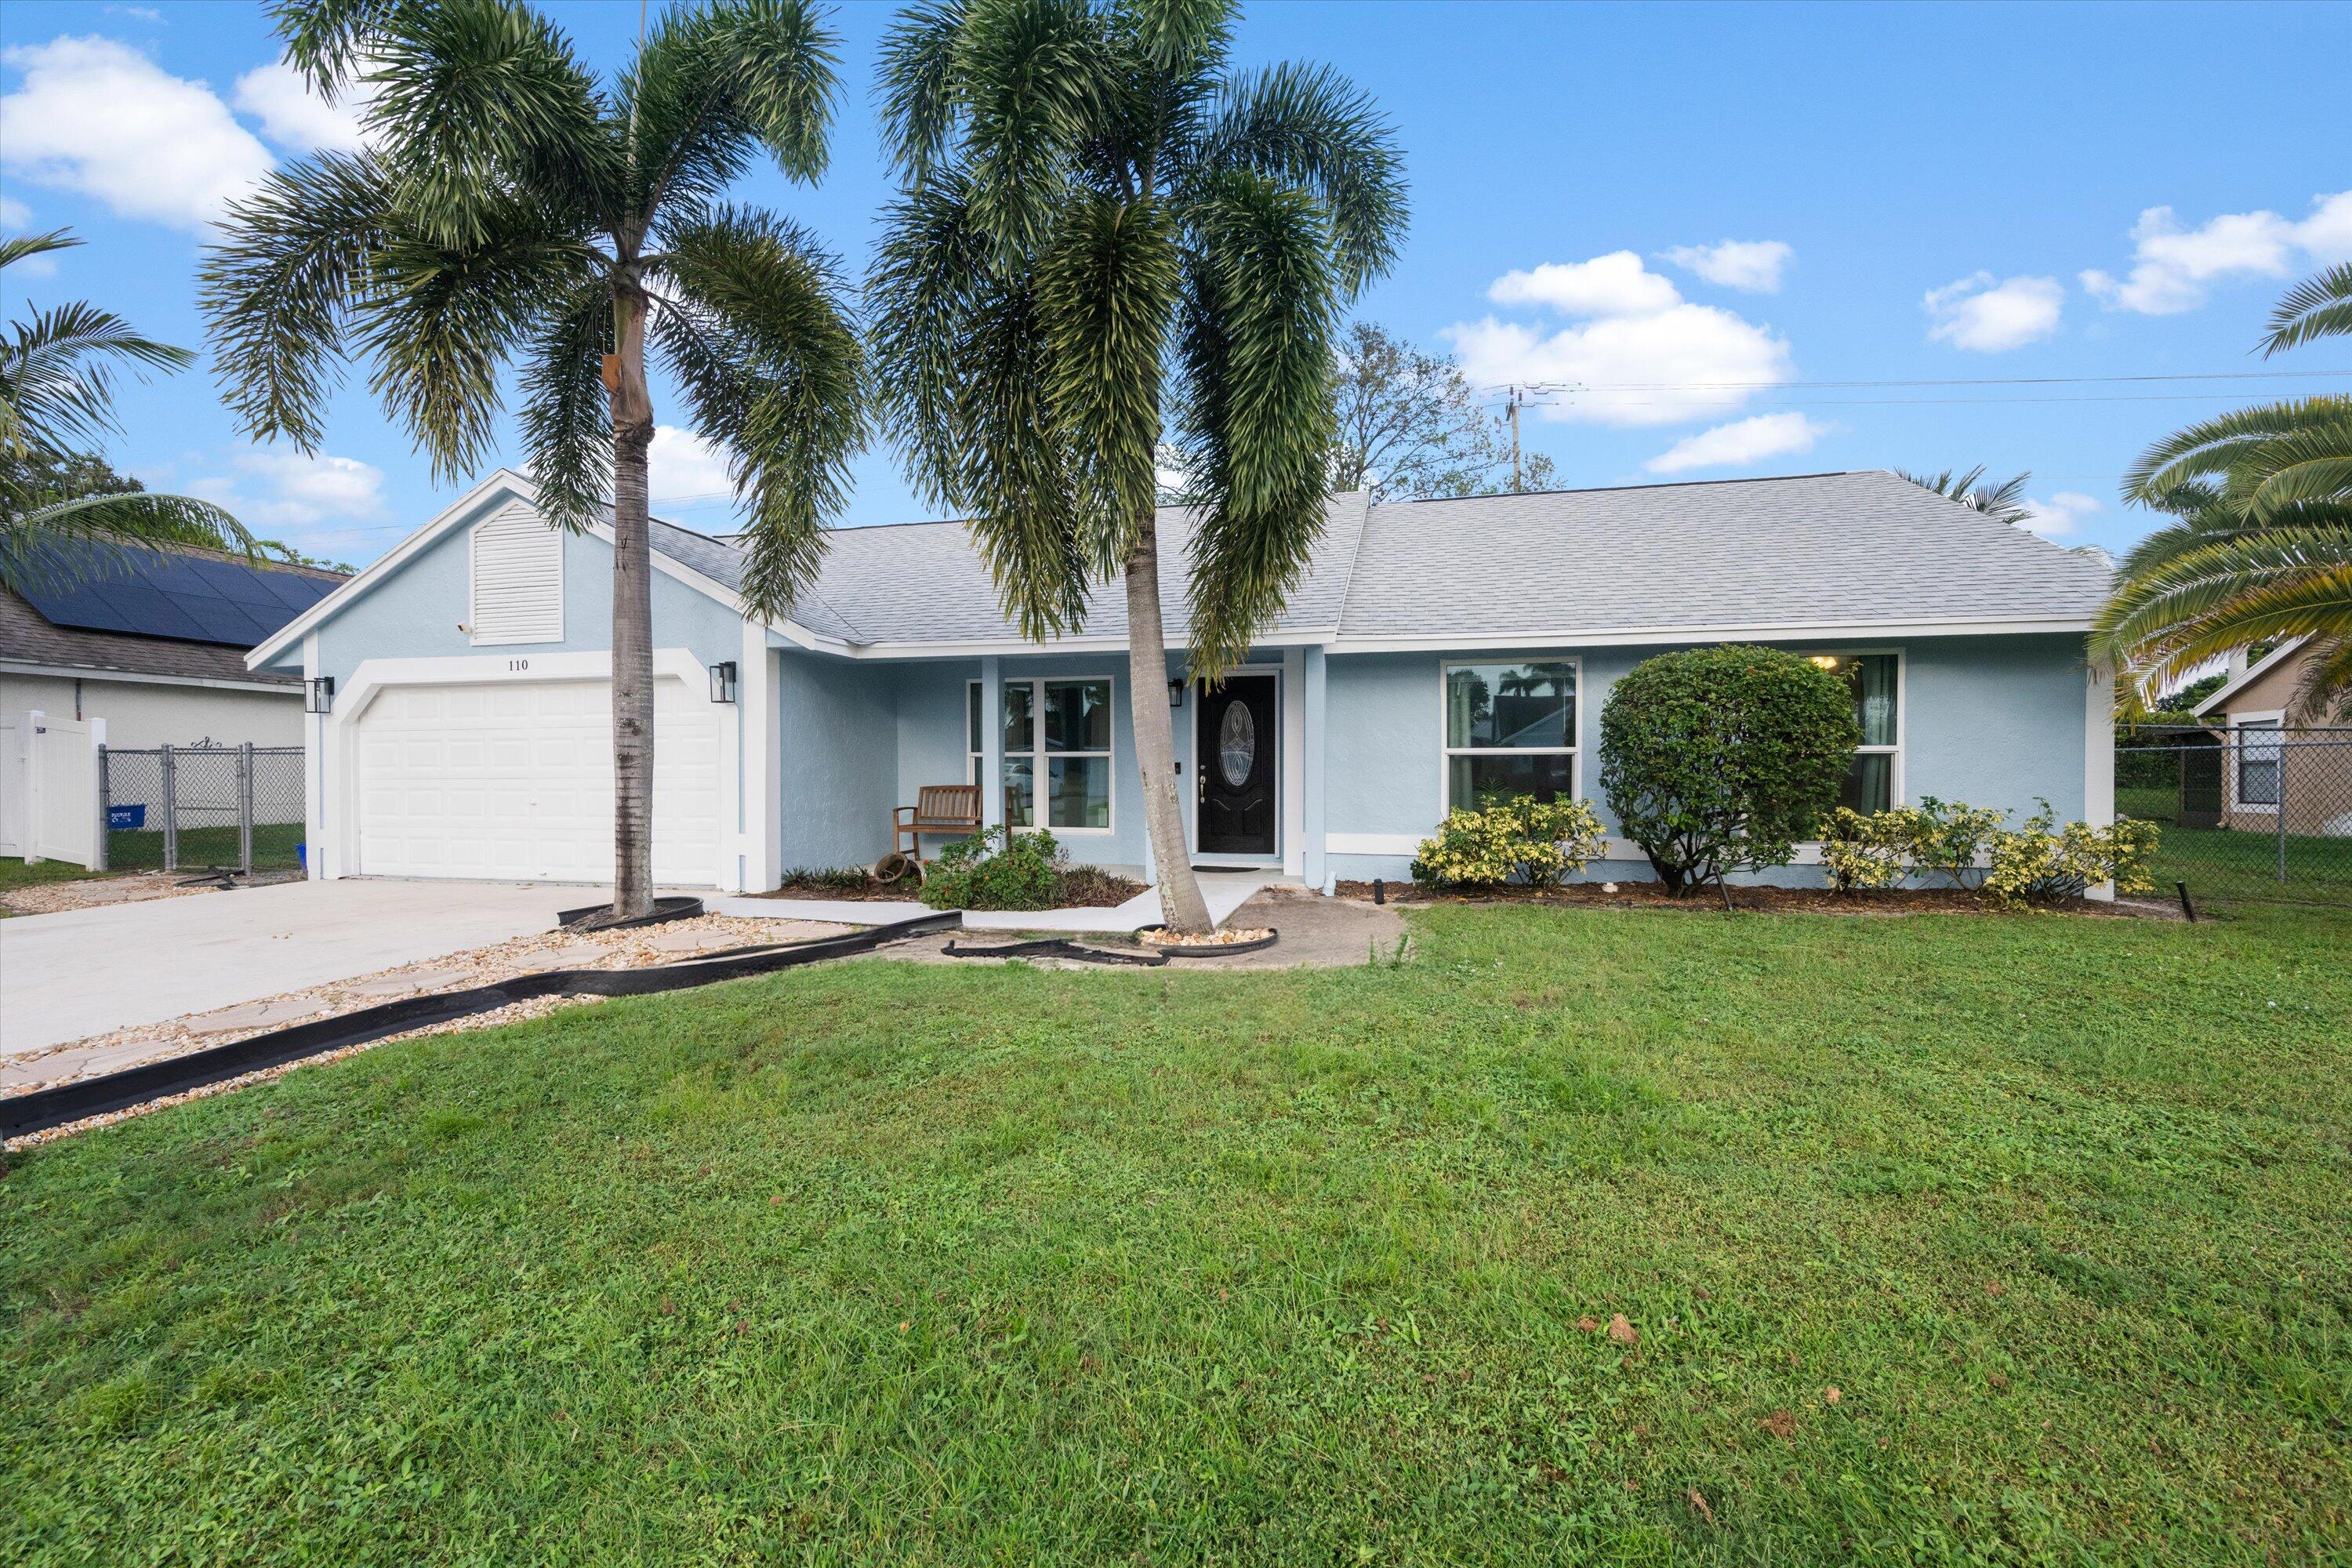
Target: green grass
{"points": [[143, 849], [16, 873], [881, 1262], [2224, 864]]}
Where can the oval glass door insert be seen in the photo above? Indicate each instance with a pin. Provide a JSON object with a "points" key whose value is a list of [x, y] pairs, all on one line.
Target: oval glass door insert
{"points": [[1237, 745]]}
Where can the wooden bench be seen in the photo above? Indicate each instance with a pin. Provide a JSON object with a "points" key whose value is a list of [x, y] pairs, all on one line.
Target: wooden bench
{"points": [[937, 809]]}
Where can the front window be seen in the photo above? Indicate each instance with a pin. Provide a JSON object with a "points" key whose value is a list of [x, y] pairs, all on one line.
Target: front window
{"points": [[1057, 744], [2258, 763], [1510, 730], [1871, 678]]}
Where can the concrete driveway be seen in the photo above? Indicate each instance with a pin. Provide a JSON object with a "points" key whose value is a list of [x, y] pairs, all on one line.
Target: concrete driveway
{"points": [[81, 973]]}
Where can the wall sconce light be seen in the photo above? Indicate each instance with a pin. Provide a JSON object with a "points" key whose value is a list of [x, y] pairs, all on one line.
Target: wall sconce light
{"points": [[722, 681], [318, 694], [1176, 693]]}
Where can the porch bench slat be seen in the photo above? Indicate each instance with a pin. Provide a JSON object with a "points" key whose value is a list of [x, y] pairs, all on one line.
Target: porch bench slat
{"points": [[938, 808]]}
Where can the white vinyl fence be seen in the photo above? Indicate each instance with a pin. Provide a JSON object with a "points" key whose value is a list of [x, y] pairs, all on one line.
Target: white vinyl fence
{"points": [[49, 807]]}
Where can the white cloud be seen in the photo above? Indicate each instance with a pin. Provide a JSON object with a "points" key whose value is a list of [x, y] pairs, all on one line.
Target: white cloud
{"points": [[1978, 313], [2061, 514], [294, 118], [685, 467], [1752, 266], [99, 118], [1645, 354], [288, 490], [1746, 441], [2173, 268], [1616, 284], [14, 215]]}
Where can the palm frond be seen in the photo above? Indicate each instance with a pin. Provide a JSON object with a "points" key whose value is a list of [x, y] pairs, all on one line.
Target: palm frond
{"points": [[923, 290], [37, 545], [327, 40], [2323, 692], [1106, 291], [1034, 77], [2311, 467], [1181, 38], [278, 291], [2227, 595], [787, 404], [711, 85], [2215, 449], [1257, 408], [916, 87], [565, 418], [58, 372], [16, 249], [1308, 126], [2317, 308]]}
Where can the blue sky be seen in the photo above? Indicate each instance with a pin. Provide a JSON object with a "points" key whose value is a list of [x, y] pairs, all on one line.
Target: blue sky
{"points": [[1914, 194]]}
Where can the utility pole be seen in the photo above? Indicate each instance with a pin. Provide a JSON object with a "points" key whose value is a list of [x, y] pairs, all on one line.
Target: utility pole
{"points": [[1512, 414]]}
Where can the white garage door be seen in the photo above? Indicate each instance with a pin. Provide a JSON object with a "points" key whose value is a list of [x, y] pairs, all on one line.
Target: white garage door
{"points": [[515, 781]]}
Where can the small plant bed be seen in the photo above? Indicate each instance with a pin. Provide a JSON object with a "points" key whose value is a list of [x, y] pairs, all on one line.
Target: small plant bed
{"points": [[1759, 900], [852, 883], [996, 868], [1239, 940]]}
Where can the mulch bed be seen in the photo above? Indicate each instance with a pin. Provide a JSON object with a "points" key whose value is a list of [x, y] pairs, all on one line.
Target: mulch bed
{"points": [[1762, 901]]}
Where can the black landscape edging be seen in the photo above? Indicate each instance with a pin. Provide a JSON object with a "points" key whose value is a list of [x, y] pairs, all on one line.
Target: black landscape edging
{"points": [[54, 1107], [1059, 947], [1224, 949], [668, 907]]}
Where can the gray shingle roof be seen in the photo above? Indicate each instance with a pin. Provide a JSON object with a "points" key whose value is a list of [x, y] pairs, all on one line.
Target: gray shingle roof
{"points": [[1815, 549]]}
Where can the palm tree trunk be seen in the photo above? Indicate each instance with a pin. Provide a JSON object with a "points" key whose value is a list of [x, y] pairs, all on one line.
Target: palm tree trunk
{"points": [[633, 616], [1181, 903]]}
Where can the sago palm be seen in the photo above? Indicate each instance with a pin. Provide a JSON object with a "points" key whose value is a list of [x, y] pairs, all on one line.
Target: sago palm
{"points": [[1107, 237], [57, 379], [513, 211]]}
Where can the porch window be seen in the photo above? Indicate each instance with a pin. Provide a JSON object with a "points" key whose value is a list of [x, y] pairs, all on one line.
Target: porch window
{"points": [[1057, 742], [1510, 730], [1873, 679]]}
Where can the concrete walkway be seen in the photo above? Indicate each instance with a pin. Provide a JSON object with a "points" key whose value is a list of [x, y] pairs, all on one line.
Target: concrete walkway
{"points": [[69, 975], [1224, 891]]}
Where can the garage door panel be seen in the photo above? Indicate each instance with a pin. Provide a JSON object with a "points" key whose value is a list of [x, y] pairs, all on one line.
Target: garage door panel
{"points": [[517, 781]]}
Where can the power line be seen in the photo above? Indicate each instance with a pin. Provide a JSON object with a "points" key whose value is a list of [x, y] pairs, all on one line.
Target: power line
{"points": [[1500, 388]]}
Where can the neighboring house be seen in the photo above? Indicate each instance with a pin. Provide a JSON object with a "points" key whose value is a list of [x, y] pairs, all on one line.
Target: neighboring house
{"points": [[154, 642], [2268, 761], [1433, 654]]}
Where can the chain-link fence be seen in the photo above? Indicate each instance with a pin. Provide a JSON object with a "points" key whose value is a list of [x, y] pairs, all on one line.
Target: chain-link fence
{"points": [[203, 807], [2253, 811]]}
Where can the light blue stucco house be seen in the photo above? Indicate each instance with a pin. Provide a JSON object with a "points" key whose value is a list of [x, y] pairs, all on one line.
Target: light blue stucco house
{"points": [[1433, 652]]}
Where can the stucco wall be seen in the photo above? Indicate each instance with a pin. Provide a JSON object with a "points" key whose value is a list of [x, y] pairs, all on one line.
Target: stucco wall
{"points": [[416, 612], [1987, 720], [140, 714], [840, 759]]}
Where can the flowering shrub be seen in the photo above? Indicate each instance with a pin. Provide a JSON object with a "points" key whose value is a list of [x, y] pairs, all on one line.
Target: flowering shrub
{"points": [[2036, 865], [1525, 837], [1866, 852]]}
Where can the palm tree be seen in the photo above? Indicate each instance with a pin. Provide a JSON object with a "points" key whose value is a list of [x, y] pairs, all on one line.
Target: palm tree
{"points": [[514, 210], [1097, 216], [2003, 501], [57, 370], [2262, 549]]}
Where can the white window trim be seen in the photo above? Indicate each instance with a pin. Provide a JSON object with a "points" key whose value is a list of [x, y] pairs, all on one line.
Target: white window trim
{"points": [[2256, 718], [1038, 755], [1896, 795], [1446, 753], [974, 760]]}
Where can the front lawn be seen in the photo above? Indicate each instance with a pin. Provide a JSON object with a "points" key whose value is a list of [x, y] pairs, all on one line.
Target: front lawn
{"points": [[16, 873], [896, 1263]]}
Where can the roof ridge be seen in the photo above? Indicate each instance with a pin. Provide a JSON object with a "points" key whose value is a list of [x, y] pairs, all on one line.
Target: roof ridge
{"points": [[1612, 489]]}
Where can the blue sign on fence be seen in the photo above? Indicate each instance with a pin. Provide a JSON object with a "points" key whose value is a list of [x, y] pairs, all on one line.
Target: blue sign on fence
{"points": [[126, 818]]}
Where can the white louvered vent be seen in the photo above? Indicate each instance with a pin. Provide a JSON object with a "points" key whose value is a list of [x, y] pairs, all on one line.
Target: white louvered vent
{"points": [[518, 579]]}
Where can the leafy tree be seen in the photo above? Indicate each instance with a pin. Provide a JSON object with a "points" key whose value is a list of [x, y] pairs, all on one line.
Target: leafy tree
{"points": [[2000, 499], [1107, 237], [57, 379], [1720, 758], [514, 210], [1410, 427]]}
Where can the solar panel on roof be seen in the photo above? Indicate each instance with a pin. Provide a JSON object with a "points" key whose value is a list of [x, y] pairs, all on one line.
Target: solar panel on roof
{"points": [[192, 598]]}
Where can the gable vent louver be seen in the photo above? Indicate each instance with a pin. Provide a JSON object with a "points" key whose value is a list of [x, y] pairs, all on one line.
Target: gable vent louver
{"points": [[518, 572]]}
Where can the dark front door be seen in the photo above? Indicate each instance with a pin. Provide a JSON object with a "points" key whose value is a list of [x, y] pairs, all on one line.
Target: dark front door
{"points": [[1232, 750]]}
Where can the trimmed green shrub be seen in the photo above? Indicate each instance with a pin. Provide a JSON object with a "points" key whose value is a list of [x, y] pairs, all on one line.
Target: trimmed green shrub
{"points": [[2042, 863], [996, 868], [1866, 852], [1720, 758], [2038, 863], [1531, 840]]}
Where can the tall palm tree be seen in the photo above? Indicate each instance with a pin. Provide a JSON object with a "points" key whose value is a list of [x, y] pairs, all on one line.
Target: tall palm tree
{"points": [[513, 210], [2262, 549], [57, 379], [1105, 235], [2003, 501]]}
